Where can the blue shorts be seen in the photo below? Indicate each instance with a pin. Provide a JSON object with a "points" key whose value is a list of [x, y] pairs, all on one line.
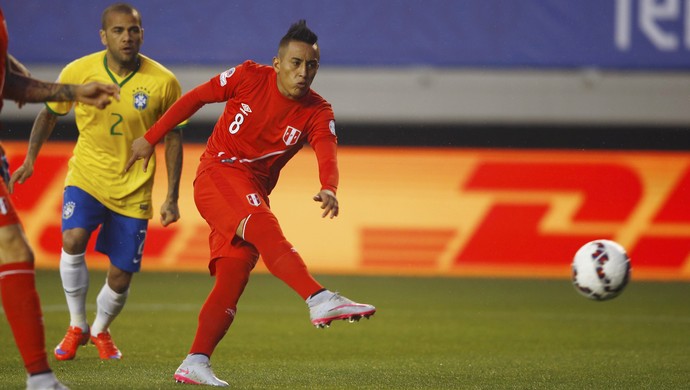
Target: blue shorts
{"points": [[121, 238]]}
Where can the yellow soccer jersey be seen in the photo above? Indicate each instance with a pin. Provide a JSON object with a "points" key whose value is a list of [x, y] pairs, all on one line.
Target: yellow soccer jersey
{"points": [[105, 136]]}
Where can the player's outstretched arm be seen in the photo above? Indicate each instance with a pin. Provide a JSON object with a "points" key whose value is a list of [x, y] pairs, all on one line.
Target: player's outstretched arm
{"points": [[21, 88], [17, 67], [329, 203]]}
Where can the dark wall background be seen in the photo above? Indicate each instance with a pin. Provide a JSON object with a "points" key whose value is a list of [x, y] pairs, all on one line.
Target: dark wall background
{"points": [[624, 137]]}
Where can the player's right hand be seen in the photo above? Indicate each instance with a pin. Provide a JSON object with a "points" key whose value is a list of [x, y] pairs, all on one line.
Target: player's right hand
{"points": [[141, 149], [22, 174]]}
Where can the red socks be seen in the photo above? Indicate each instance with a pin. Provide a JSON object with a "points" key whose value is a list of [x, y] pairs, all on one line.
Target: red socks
{"points": [[218, 311], [262, 231], [23, 310]]}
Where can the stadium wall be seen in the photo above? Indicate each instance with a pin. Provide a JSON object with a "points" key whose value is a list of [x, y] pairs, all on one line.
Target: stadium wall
{"points": [[473, 97]]}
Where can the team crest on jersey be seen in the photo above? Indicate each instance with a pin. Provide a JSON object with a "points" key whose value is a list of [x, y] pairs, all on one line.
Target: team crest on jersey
{"points": [[254, 199], [4, 208], [331, 126], [68, 210], [141, 99], [223, 78], [291, 136]]}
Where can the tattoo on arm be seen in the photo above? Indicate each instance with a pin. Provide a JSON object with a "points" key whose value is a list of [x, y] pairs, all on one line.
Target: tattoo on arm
{"points": [[30, 90]]}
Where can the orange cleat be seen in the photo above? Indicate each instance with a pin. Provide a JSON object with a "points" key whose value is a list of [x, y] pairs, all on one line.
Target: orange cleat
{"points": [[67, 349], [106, 347]]}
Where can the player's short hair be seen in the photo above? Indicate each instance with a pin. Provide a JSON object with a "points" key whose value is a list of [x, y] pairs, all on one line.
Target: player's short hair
{"points": [[123, 8], [299, 32]]}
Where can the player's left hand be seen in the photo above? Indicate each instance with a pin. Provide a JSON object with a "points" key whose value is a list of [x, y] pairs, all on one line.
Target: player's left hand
{"points": [[170, 212], [329, 203]]}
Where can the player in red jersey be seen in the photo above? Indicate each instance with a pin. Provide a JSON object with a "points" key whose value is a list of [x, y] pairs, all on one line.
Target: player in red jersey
{"points": [[270, 112], [17, 283]]}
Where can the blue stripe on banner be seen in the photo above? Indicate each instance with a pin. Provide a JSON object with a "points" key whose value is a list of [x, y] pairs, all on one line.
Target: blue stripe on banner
{"points": [[629, 34]]}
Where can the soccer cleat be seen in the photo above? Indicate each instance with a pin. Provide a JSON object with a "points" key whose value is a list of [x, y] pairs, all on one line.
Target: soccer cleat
{"points": [[197, 374], [54, 386], [328, 306], [106, 347], [44, 381], [67, 349]]}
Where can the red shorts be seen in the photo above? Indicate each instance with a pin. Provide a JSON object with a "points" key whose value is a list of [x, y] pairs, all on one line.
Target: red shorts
{"points": [[8, 215], [224, 196]]}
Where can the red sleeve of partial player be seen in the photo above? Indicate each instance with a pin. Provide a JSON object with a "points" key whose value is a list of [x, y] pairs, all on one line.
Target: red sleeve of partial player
{"points": [[182, 109], [327, 156]]}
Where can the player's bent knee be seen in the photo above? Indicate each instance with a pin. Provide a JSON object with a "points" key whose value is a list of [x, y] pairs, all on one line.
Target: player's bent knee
{"points": [[118, 279], [13, 245], [74, 241]]}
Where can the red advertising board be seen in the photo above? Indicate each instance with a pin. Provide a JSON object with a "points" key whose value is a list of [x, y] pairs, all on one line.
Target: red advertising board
{"points": [[427, 211]]}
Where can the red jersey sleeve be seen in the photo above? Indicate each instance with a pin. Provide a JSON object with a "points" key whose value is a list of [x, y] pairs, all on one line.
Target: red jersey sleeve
{"points": [[219, 89], [182, 109], [324, 142], [326, 155]]}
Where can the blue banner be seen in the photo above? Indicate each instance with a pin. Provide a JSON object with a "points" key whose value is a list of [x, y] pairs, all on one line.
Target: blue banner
{"points": [[619, 34]]}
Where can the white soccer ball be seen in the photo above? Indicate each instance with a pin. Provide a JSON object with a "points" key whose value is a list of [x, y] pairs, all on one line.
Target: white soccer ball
{"points": [[600, 270]]}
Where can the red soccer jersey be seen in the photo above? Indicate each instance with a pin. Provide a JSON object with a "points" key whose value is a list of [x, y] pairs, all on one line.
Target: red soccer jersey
{"points": [[3, 54], [259, 128]]}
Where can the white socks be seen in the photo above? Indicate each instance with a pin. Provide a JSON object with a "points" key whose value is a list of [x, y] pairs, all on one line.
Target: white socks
{"points": [[109, 305], [75, 282]]}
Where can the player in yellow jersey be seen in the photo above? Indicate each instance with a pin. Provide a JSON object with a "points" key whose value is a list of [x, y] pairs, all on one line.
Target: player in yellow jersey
{"points": [[97, 193]]}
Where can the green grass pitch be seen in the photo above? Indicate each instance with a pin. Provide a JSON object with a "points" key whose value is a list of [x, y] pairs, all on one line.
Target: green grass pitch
{"points": [[429, 333]]}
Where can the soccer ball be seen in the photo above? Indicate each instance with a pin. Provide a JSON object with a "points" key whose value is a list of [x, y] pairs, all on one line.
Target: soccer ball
{"points": [[600, 270]]}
